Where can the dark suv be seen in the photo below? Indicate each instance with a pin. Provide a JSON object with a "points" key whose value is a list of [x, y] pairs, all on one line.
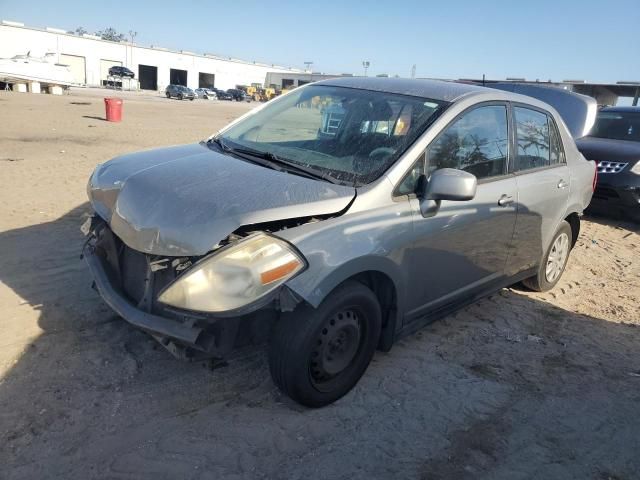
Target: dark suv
{"points": [[222, 95], [614, 143], [238, 95], [180, 92], [119, 71]]}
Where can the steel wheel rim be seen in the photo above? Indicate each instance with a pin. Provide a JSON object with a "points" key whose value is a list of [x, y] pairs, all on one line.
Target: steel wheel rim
{"points": [[557, 257], [336, 347]]}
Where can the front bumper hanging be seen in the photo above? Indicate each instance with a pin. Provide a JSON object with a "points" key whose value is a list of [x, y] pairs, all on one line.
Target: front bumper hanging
{"points": [[153, 324]]}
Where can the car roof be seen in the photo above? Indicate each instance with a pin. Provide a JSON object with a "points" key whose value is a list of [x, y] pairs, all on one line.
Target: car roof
{"points": [[432, 89], [621, 109]]}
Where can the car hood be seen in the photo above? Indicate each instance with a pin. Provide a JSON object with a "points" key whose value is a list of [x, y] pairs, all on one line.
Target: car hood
{"points": [[594, 148], [184, 200]]}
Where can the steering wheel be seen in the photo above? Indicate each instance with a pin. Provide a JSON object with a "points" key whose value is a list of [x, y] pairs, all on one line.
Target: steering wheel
{"points": [[374, 160], [381, 153]]}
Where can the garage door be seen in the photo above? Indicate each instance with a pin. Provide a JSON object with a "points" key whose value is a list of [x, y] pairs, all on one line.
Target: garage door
{"points": [[148, 77], [77, 65], [105, 65]]}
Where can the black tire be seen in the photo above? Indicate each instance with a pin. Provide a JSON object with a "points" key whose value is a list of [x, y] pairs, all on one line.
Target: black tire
{"points": [[312, 357], [180, 97], [540, 281], [192, 99], [168, 95]]}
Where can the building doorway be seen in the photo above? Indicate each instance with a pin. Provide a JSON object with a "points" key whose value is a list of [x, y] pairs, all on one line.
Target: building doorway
{"points": [[178, 77], [206, 80], [148, 77]]}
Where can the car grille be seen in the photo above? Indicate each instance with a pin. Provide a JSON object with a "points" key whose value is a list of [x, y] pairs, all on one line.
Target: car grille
{"points": [[610, 167], [133, 268]]}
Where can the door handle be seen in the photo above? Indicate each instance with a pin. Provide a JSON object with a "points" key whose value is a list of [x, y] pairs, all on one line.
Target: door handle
{"points": [[562, 184], [505, 200]]}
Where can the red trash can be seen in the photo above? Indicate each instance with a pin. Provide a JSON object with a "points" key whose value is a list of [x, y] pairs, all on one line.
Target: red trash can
{"points": [[113, 107]]}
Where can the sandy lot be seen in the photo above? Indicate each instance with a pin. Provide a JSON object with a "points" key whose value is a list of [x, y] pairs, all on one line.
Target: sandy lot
{"points": [[520, 385]]}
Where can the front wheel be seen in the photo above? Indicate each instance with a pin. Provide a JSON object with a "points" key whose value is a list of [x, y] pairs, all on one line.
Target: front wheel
{"points": [[317, 355], [168, 95], [553, 262]]}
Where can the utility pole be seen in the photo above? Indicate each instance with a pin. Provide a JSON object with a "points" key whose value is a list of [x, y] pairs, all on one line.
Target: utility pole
{"points": [[413, 71], [366, 64]]}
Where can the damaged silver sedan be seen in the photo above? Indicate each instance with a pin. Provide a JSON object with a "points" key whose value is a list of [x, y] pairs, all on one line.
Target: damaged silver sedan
{"points": [[335, 219]]}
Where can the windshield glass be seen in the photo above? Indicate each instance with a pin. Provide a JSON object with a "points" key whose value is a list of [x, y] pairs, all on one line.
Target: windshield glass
{"points": [[352, 135], [617, 126]]}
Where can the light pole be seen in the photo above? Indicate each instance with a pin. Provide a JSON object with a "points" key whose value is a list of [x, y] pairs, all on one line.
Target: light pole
{"points": [[133, 35], [307, 66], [366, 64]]}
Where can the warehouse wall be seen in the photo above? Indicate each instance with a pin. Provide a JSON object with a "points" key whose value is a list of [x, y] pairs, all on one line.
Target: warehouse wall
{"points": [[16, 40]]}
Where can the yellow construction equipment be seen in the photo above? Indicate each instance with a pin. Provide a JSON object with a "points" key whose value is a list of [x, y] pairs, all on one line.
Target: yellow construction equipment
{"points": [[261, 94]]}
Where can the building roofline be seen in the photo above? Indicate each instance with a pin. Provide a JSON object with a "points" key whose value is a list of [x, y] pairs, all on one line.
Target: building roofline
{"points": [[95, 38]]}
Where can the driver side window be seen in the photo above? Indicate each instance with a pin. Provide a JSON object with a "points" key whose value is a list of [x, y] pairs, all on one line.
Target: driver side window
{"points": [[477, 143]]}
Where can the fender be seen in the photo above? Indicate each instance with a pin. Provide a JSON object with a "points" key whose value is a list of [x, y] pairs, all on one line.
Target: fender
{"points": [[314, 289]]}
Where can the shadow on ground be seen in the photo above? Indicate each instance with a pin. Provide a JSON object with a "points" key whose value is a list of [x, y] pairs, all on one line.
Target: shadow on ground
{"points": [[511, 387]]}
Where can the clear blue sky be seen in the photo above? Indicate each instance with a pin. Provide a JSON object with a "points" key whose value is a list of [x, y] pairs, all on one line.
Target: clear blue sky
{"points": [[545, 39]]}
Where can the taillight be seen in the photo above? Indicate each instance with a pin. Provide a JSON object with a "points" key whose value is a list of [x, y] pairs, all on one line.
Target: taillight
{"points": [[595, 178]]}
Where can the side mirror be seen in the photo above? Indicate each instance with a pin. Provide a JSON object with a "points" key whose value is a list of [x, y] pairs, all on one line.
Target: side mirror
{"points": [[445, 184], [449, 184]]}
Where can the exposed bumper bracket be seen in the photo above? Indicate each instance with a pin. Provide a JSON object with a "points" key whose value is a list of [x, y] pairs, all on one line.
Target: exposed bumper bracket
{"points": [[157, 326]]}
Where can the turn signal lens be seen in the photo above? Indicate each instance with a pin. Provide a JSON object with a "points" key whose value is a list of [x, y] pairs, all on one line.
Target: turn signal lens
{"points": [[235, 276]]}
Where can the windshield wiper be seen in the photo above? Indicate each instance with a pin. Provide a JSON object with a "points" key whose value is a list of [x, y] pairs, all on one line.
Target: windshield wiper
{"points": [[296, 168], [218, 141], [274, 162]]}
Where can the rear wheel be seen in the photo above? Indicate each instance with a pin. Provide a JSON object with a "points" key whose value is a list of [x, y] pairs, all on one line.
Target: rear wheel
{"points": [[168, 95], [553, 262], [317, 355]]}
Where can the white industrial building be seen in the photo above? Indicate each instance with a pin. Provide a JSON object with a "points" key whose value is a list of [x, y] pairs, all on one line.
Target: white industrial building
{"points": [[90, 57]]}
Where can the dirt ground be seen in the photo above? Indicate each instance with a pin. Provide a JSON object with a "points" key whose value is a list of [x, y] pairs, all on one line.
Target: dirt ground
{"points": [[521, 385]]}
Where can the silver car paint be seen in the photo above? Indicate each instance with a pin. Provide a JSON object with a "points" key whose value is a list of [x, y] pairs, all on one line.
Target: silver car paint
{"points": [[184, 200], [428, 260], [470, 242]]}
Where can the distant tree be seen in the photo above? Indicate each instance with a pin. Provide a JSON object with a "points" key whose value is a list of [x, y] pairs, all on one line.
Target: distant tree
{"points": [[111, 34], [80, 31]]}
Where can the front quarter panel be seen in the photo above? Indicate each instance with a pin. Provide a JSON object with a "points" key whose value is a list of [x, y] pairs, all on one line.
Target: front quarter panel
{"points": [[339, 248]]}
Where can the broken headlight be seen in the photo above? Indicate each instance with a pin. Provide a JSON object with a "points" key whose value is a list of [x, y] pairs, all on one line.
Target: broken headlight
{"points": [[235, 276]]}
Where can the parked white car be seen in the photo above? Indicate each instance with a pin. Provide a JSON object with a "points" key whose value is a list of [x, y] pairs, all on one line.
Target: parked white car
{"points": [[206, 94]]}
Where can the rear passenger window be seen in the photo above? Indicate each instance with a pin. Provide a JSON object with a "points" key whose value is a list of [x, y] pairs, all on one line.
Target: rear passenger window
{"points": [[532, 130], [557, 151], [477, 142]]}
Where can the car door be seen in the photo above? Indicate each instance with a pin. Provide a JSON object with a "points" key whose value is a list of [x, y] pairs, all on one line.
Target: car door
{"points": [[544, 183], [463, 248]]}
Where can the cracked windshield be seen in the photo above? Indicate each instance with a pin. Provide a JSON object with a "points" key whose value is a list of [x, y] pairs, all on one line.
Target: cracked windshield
{"points": [[351, 135]]}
